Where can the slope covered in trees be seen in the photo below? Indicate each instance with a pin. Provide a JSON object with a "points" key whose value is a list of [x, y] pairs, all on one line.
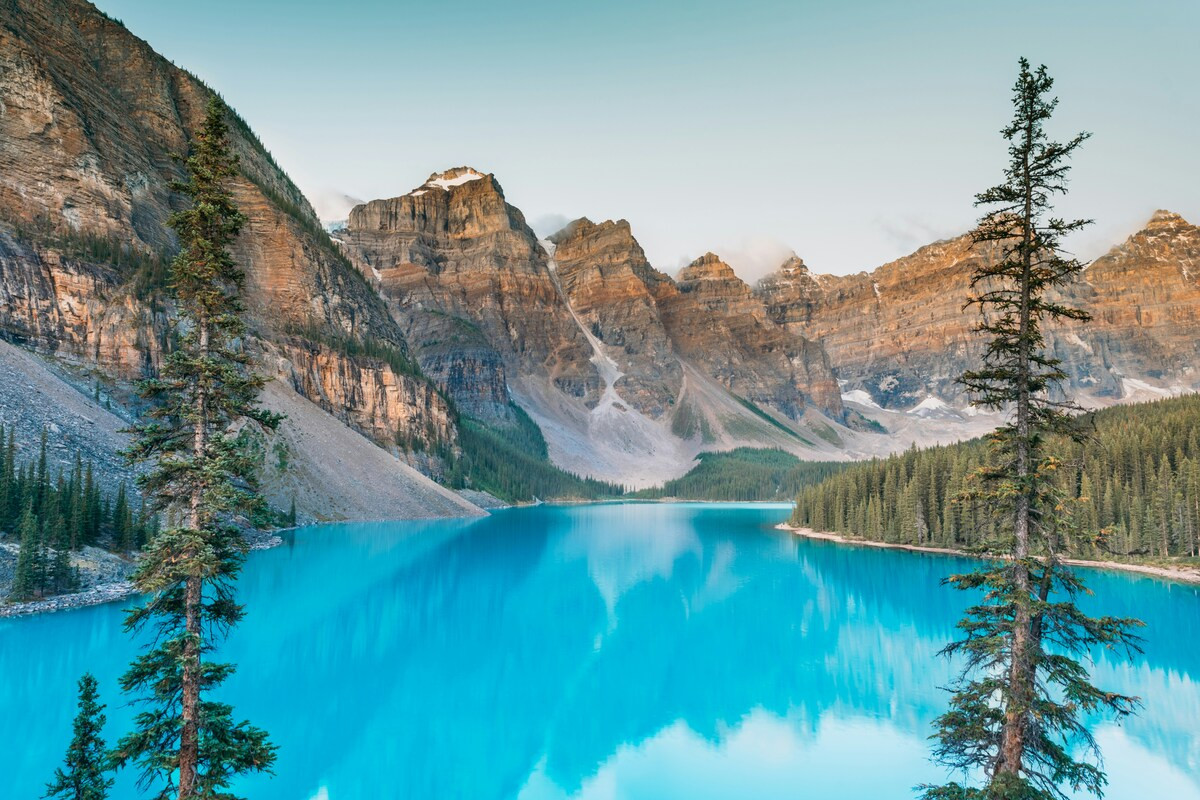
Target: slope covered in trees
{"points": [[52, 515], [513, 464], [743, 474], [1131, 489]]}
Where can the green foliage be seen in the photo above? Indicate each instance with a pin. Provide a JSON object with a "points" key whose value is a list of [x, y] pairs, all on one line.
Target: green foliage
{"points": [[183, 740], [744, 474], [84, 775], [687, 422], [1134, 484], [53, 515], [512, 463]]}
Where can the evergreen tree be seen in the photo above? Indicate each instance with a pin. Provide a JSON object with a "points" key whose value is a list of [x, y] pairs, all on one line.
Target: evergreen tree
{"points": [[183, 739], [91, 508], [61, 577], [122, 522], [1015, 714], [8, 482], [26, 578], [84, 776]]}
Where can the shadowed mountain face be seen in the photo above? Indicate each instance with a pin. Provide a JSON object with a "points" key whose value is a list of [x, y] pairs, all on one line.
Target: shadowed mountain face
{"points": [[900, 333]]}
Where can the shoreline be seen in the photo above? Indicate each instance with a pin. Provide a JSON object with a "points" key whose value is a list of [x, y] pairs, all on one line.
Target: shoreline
{"points": [[97, 595], [1185, 575], [103, 593]]}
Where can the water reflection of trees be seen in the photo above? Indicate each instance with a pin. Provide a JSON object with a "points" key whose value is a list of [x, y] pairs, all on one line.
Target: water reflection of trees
{"points": [[557, 640], [459, 658]]}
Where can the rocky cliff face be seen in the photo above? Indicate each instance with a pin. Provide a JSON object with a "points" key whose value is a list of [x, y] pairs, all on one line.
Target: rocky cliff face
{"points": [[91, 120], [459, 265], [612, 289], [717, 322], [1144, 298], [900, 333], [627, 374]]}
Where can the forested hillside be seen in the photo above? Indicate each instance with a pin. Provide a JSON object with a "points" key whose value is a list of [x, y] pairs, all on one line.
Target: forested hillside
{"points": [[513, 464], [746, 473], [53, 515], [1132, 489]]}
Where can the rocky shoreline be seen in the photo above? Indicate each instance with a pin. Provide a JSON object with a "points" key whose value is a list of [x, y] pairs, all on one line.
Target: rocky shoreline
{"points": [[104, 593], [1180, 574], [110, 592]]}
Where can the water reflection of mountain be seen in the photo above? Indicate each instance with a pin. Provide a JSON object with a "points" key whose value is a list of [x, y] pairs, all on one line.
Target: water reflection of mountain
{"points": [[557, 640], [474, 659]]}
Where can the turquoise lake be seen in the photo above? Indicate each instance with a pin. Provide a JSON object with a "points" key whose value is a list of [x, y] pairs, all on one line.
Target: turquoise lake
{"points": [[604, 651]]}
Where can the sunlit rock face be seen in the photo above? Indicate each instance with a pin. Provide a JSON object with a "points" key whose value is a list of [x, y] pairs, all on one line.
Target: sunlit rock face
{"points": [[901, 334], [92, 120], [1144, 298], [470, 284], [716, 321], [614, 292]]}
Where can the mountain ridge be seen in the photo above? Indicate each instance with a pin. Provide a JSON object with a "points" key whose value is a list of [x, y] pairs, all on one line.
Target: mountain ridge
{"points": [[442, 305]]}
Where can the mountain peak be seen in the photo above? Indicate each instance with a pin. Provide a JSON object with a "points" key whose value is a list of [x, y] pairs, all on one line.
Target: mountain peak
{"points": [[451, 178], [708, 267], [583, 227], [1163, 218], [795, 264], [576, 227]]}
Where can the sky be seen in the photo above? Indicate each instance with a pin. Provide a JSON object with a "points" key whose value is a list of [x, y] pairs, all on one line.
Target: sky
{"points": [[850, 133]]}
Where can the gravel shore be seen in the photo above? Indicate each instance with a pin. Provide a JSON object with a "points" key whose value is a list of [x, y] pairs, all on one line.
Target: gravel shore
{"points": [[1181, 574]]}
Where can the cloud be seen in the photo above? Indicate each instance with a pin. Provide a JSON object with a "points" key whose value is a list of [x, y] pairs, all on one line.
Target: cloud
{"points": [[908, 233], [332, 205], [755, 256], [549, 224]]}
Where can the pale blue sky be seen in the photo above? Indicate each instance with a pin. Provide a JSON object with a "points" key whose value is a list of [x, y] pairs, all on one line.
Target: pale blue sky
{"points": [[851, 132]]}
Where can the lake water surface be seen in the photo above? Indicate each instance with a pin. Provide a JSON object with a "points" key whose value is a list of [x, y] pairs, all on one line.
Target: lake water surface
{"points": [[606, 651]]}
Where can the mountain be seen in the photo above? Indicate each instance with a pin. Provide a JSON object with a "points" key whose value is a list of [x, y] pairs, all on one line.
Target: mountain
{"points": [[614, 292], [92, 119], [435, 340], [469, 284], [719, 323], [899, 335], [628, 373]]}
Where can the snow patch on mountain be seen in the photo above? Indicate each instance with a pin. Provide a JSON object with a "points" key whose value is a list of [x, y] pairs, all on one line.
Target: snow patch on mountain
{"points": [[447, 180], [931, 406], [859, 396]]}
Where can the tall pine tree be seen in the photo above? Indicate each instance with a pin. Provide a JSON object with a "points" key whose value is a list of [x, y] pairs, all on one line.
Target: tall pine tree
{"points": [[27, 578], [203, 476], [84, 774], [1015, 717]]}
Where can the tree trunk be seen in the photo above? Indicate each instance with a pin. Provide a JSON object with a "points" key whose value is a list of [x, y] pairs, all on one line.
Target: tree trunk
{"points": [[189, 738], [1021, 679]]}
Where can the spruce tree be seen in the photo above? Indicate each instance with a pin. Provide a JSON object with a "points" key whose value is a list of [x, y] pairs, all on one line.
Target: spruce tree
{"points": [[84, 775], [8, 483], [1015, 716], [203, 476], [61, 578], [26, 583]]}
